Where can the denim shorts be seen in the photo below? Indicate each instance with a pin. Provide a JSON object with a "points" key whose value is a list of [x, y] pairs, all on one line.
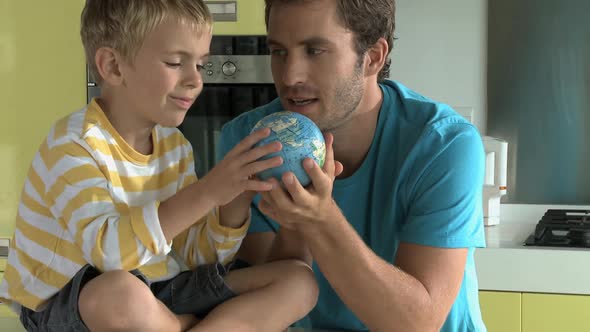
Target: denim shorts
{"points": [[191, 292]]}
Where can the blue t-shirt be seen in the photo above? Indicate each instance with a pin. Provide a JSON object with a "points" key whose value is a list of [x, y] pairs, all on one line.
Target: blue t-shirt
{"points": [[420, 183]]}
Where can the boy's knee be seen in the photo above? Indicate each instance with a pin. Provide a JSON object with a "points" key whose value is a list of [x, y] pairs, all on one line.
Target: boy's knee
{"points": [[116, 300], [303, 280]]}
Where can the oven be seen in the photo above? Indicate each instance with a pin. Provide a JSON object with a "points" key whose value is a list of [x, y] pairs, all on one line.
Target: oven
{"points": [[236, 78]]}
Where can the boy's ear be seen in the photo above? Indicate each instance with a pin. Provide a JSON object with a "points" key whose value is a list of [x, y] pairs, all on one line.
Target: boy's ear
{"points": [[108, 63], [376, 57]]}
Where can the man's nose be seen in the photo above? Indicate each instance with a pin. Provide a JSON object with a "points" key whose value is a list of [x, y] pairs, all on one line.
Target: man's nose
{"points": [[295, 71]]}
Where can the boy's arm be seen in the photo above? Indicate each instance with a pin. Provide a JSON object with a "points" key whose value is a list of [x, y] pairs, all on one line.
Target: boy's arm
{"points": [[208, 241], [228, 185]]}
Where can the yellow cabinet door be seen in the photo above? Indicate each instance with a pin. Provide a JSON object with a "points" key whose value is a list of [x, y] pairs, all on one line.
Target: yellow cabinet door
{"points": [[42, 78], [250, 20], [4, 311], [500, 311], [553, 312]]}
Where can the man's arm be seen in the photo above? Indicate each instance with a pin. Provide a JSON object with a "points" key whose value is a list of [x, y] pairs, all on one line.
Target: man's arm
{"points": [[414, 295]]}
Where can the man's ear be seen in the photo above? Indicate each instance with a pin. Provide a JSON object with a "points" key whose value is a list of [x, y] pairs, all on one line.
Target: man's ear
{"points": [[108, 63], [376, 57]]}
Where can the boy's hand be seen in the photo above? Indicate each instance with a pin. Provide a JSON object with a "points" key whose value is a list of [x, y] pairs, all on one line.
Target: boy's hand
{"points": [[298, 206], [234, 174]]}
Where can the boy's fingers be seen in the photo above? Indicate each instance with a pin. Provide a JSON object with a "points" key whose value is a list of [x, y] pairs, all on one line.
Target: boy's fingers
{"points": [[249, 141], [258, 186], [260, 151], [259, 166]]}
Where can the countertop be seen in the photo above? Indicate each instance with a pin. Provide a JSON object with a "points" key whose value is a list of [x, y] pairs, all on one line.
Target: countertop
{"points": [[507, 265]]}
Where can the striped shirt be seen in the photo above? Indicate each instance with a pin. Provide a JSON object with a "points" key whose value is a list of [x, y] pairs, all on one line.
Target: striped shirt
{"points": [[90, 198]]}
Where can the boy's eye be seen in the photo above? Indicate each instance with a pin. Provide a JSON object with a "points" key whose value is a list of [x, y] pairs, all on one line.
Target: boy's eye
{"points": [[172, 64], [200, 67]]}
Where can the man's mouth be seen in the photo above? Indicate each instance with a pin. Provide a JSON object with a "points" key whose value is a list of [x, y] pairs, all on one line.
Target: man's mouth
{"points": [[301, 102]]}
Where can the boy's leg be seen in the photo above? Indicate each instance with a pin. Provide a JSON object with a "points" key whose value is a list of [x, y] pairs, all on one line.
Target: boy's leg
{"points": [[95, 301], [120, 301], [270, 298]]}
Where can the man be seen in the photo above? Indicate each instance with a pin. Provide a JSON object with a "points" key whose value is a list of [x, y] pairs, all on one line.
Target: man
{"points": [[393, 237]]}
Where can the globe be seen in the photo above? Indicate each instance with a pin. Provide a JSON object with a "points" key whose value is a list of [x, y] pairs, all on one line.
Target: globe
{"points": [[301, 139]]}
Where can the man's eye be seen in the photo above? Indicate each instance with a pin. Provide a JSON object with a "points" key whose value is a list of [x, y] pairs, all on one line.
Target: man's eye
{"points": [[278, 52], [172, 64], [314, 51], [200, 67]]}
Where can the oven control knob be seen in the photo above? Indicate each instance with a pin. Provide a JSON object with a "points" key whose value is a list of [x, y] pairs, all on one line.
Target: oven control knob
{"points": [[229, 68]]}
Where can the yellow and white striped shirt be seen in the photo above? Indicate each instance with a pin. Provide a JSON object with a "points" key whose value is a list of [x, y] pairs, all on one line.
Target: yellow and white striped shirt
{"points": [[90, 198]]}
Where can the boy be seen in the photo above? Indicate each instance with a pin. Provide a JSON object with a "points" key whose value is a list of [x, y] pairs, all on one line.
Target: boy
{"points": [[113, 230]]}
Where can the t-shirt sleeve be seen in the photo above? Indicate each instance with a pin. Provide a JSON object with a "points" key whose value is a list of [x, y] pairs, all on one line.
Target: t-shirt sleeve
{"points": [[444, 200]]}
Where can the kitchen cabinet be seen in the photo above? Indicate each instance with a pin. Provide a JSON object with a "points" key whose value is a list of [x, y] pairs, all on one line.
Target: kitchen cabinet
{"points": [[501, 311], [250, 20], [4, 311], [532, 312], [554, 312], [43, 78]]}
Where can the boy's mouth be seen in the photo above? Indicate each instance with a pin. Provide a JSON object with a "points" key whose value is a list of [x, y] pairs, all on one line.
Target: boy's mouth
{"points": [[182, 102]]}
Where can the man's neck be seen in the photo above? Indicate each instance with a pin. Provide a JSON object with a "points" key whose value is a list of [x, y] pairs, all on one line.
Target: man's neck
{"points": [[352, 140]]}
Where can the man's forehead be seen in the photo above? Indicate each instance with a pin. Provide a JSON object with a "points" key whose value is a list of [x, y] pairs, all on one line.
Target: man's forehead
{"points": [[325, 9], [305, 21]]}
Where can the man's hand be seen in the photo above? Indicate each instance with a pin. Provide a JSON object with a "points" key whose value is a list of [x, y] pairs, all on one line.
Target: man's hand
{"points": [[297, 206]]}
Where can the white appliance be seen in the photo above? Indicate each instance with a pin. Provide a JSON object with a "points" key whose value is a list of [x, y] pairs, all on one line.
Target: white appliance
{"points": [[494, 187]]}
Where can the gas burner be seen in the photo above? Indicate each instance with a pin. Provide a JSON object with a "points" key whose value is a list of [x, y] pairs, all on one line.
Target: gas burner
{"points": [[562, 228]]}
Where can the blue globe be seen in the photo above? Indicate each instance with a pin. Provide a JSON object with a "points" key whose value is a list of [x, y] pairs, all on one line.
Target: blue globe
{"points": [[301, 139]]}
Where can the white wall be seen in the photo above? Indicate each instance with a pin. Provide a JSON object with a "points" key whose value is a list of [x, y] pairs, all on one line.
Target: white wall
{"points": [[441, 52]]}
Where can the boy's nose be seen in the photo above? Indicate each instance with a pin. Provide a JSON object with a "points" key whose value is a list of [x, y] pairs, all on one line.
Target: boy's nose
{"points": [[193, 78]]}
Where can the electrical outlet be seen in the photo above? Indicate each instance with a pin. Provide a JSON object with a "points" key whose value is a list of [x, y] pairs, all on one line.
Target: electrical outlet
{"points": [[465, 111], [4, 245]]}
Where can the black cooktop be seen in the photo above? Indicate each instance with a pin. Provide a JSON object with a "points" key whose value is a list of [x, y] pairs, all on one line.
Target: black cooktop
{"points": [[562, 228]]}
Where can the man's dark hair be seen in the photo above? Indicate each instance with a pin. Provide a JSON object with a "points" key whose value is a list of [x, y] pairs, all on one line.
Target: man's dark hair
{"points": [[368, 20]]}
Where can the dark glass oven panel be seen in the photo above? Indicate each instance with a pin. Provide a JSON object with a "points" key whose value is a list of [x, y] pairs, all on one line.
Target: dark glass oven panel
{"points": [[239, 45], [216, 105]]}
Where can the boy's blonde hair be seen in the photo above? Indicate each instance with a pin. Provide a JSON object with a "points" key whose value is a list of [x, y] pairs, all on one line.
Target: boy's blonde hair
{"points": [[124, 24]]}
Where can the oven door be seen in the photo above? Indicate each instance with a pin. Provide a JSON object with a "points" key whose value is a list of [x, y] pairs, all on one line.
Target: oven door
{"points": [[217, 104]]}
